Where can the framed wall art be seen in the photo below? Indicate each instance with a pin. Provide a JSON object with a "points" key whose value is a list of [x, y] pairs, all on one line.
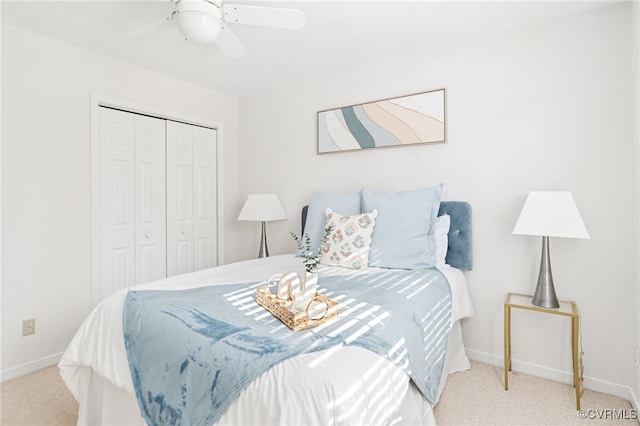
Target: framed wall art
{"points": [[402, 121]]}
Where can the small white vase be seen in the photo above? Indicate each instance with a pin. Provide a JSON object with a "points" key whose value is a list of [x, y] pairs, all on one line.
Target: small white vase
{"points": [[310, 282], [307, 293]]}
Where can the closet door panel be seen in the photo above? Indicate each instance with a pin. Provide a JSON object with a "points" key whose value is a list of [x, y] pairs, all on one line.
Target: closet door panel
{"points": [[156, 200], [150, 198], [115, 206], [179, 198], [205, 199]]}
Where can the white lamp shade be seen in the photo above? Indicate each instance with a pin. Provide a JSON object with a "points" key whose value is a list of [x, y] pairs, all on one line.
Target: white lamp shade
{"points": [[262, 207], [550, 214]]}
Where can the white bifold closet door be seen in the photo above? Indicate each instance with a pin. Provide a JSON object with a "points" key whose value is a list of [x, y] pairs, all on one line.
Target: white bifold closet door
{"points": [[132, 224], [191, 200], [156, 201]]}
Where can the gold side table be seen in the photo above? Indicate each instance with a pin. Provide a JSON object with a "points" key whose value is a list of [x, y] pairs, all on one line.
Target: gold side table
{"points": [[568, 309]]}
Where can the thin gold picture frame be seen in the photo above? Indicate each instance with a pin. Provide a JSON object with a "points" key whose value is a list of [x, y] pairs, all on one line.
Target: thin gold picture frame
{"points": [[414, 119]]}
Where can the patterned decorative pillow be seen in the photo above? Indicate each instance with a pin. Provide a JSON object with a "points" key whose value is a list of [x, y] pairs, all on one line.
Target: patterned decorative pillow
{"points": [[347, 203], [349, 240]]}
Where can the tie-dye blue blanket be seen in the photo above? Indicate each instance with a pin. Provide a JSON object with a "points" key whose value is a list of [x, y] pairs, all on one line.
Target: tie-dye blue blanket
{"points": [[191, 352]]}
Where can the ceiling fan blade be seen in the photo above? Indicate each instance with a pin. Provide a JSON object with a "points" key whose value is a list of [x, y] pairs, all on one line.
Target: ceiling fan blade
{"points": [[230, 44], [289, 19], [151, 27]]}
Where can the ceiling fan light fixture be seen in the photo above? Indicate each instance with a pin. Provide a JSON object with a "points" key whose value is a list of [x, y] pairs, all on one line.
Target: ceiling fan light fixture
{"points": [[198, 21], [205, 22]]}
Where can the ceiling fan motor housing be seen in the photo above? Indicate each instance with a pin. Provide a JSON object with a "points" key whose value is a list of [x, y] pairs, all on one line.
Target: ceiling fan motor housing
{"points": [[198, 20]]}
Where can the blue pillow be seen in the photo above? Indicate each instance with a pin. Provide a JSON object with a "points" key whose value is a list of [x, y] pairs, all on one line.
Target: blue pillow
{"points": [[346, 204], [404, 235]]}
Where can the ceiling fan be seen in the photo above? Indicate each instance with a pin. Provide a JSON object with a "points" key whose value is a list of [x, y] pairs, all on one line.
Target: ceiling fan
{"points": [[206, 21]]}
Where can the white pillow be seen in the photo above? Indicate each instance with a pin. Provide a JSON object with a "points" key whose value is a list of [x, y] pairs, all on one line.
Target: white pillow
{"points": [[349, 240], [443, 223]]}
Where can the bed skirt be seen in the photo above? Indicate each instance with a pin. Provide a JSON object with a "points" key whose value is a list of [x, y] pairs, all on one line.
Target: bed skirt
{"points": [[103, 403]]}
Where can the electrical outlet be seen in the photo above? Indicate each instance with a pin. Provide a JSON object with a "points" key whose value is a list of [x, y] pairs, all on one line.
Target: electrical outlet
{"points": [[28, 327]]}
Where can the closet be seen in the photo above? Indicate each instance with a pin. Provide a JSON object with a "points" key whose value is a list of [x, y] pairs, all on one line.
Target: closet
{"points": [[155, 200]]}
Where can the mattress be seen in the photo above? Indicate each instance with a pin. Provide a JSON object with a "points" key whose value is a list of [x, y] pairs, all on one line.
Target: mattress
{"points": [[344, 385]]}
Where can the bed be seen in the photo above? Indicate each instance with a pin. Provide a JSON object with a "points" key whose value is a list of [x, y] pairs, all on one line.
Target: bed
{"points": [[341, 384]]}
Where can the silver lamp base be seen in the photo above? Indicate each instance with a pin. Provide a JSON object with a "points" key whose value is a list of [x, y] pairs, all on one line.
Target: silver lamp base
{"points": [[545, 294], [264, 250]]}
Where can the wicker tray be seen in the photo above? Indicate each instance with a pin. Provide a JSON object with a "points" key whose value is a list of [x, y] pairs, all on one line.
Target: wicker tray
{"points": [[295, 321]]}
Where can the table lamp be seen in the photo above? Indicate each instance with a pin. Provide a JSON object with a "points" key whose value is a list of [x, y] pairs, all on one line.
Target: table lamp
{"points": [[262, 208], [549, 214]]}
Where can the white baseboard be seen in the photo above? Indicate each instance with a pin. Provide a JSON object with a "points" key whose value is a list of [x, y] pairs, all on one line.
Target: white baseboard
{"points": [[634, 400], [30, 367], [566, 377]]}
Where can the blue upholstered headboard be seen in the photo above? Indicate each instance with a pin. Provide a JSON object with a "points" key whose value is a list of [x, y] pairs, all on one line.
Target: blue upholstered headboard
{"points": [[459, 253]]}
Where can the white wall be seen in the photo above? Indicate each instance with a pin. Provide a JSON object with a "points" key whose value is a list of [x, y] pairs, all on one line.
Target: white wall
{"points": [[46, 136], [543, 108]]}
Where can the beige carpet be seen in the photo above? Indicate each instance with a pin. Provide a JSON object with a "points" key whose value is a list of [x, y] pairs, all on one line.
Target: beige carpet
{"points": [[38, 399], [474, 397], [477, 397]]}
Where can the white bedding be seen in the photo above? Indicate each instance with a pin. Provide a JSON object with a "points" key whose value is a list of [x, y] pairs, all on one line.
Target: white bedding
{"points": [[350, 385]]}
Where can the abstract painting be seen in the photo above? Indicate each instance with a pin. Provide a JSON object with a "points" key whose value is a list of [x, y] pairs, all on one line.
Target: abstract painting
{"points": [[406, 120]]}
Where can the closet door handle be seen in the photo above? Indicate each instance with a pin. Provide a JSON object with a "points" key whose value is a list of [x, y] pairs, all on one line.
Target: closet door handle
{"points": [[147, 236], [182, 232]]}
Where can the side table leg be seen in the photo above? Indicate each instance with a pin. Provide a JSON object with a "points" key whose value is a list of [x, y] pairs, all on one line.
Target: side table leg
{"points": [[575, 347], [507, 345]]}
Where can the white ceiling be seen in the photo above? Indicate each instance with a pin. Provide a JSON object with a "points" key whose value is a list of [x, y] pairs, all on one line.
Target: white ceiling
{"points": [[337, 34]]}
